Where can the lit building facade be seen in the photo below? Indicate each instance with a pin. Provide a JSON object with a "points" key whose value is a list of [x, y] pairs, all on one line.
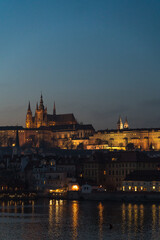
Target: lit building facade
{"points": [[42, 118], [121, 164], [142, 139], [142, 181], [63, 131]]}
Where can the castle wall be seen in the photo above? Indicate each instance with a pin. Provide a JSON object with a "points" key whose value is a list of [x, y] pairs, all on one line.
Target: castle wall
{"points": [[143, 139]]}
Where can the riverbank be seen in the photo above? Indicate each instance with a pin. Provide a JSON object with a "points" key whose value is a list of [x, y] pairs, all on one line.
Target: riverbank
{"points": [[93, 196], [115, 196], [18, 195]]}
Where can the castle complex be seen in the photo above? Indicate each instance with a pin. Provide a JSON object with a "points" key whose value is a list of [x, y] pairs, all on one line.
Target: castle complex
{"points": [[64, 131], [41, 117]]}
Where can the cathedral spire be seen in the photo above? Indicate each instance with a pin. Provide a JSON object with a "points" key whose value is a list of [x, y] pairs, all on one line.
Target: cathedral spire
{"points": [[119, 123], [41, 106], [126, 125], [54, 109], [41, 99], [29, 107]]}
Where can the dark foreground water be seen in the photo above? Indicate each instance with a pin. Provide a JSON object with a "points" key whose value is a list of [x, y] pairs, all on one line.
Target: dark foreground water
{"points": [[58, 219]]}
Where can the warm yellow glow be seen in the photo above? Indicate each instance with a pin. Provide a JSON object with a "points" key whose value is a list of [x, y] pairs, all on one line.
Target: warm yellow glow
{"points": [[129, 218], [141, 215], [75, 218], [130, 187], [123, 188], [101, 208], [104, 172], [75, 188], [56, 190], [135, 211], [154, 187], [154, 216], [135, 188], [141, 188]]}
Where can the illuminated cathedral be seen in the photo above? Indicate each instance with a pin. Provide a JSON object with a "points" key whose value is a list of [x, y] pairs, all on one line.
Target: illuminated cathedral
{"points": [[42, 118]]}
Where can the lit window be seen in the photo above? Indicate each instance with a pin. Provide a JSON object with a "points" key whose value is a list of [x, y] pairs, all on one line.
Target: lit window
{"points": [[123, 188], [135, 188], [154, 187], [75, 188], [129, 187], [141, 188]]}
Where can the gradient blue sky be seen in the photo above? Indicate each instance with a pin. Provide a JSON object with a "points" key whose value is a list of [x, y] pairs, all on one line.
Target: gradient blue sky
{"points": [[98, 59]]}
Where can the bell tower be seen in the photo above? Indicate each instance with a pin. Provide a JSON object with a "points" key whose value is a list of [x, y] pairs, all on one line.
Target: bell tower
{"points": [[119, 124], [29, 117], [40, 114], [126, 125]]}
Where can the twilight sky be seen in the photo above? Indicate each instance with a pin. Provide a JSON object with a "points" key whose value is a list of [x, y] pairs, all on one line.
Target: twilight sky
{"points": [[96, 58]]}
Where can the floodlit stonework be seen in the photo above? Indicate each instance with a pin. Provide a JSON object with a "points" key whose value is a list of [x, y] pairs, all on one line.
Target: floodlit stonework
{"points": [[63, 131], [42, 118]]}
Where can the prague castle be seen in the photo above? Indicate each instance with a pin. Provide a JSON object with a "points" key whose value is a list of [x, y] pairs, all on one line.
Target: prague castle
{"points": [[64, 131], [41, 117]]}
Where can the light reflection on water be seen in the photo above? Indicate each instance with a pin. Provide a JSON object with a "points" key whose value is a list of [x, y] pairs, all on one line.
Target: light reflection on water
{"points": [[77, 220], [100, 207]]}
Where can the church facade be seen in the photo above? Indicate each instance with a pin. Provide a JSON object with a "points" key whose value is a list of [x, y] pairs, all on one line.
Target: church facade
{"points": [[43, 119]]}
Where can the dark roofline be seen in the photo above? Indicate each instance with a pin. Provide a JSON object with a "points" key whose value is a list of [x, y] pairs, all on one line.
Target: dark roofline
{"points": [[62, 114], [11, 128], [69, 127], [72, 127]]}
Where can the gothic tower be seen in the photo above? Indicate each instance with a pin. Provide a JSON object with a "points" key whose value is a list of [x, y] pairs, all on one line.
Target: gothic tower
{"points": [[29, 122], [42, 119], [126, 125], [41, 106], [40, 114], [119, 124], [54, 109]]}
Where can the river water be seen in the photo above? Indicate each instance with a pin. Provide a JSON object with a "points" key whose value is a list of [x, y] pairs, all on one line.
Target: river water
{"points": [[77, 220]]}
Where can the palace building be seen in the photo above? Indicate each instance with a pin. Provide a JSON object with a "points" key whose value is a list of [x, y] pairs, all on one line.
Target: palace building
{"points": [[63, 131], [42, 118]]}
